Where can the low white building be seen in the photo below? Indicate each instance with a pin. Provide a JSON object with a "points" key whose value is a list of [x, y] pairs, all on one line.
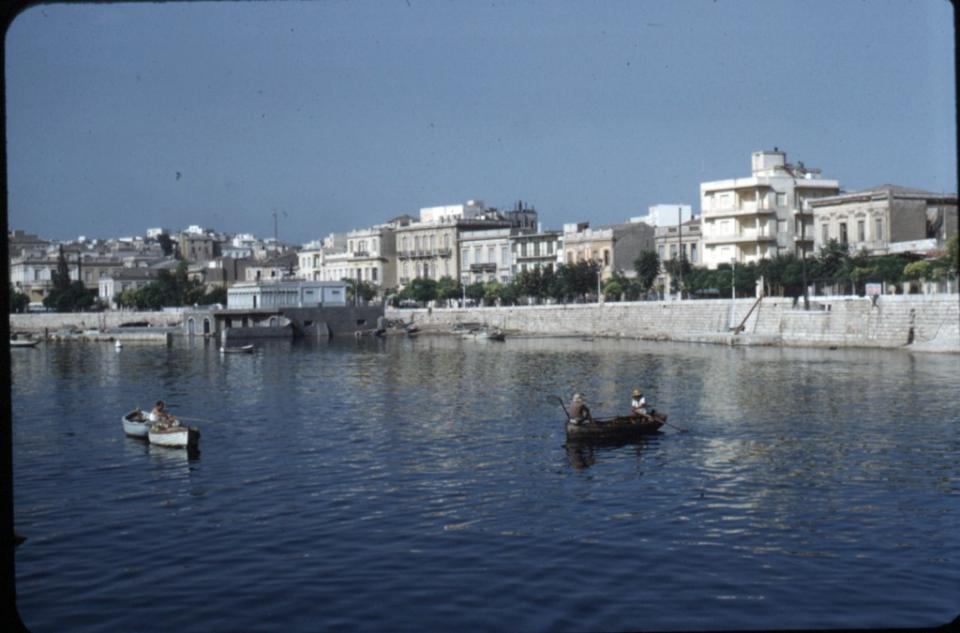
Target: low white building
{"points": [[286, 294], [666, 215]]}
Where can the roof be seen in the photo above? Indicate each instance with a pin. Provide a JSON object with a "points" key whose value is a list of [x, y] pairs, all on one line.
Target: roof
{"points": [[886, 190]]}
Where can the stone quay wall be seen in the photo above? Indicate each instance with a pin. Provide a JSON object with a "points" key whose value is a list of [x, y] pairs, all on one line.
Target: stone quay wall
{"points": [[915, 322], [52, 322]]}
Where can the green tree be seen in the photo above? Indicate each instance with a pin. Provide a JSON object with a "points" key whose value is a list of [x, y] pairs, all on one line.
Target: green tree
{"points": [[422, 290], [647, 266], [166, 244], [448, 288], [953, 253], [61, 276], [18, 301], [476, 291]]}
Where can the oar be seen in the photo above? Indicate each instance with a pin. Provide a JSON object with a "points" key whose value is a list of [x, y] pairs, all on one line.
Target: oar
{"points": [[675, 426], [563, 406], [182, 417]]}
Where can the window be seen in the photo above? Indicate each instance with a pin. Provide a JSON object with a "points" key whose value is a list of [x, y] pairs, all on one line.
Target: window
{"points": [[879, 229], [523, 250], [693, 253], [825, 232], [673, 251], [781, 199], [660, 252], [861, 231], [373, 274], [491, 255], [843, 233], [505, 255]]}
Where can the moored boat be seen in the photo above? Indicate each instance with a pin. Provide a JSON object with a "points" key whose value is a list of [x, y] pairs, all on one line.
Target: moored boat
{"points": [[243, 349], [23, 342], [136, 424], [617, 427], [173, 435]]}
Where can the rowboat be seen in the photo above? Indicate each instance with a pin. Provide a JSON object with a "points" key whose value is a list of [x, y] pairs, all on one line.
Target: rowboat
{"points": [[173, 435], [244, 349], [617, 427], [22, 342], [136, 424]]}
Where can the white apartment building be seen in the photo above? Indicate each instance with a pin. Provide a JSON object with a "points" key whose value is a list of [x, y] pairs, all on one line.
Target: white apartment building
{"points": [[372, 255], [763, 215], [485, 255]]}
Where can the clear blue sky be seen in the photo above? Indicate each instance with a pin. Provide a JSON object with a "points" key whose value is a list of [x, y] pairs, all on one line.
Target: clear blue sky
{"points": [[344, 114]]}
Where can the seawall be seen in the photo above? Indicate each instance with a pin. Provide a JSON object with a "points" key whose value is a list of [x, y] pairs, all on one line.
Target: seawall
{"points": [[52, 322], [913, 322]]}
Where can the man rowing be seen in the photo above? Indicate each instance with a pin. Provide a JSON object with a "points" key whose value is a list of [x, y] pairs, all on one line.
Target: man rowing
{"points": [[579, 412]]}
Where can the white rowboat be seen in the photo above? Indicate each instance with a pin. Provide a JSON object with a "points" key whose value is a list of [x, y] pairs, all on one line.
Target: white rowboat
{"points": [[19, 342], [136, 424], [173, 435]]}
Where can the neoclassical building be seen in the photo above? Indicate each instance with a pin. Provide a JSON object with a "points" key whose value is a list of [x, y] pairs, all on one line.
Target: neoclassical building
{"points": [[614, 246], [886, 219]]}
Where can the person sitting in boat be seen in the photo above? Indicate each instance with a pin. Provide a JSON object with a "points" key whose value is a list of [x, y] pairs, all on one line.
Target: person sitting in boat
{"points": [[160, 413], [579, 412], [638, 404]]}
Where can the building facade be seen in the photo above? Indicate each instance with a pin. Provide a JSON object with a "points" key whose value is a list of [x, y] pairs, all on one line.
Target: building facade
{"points": [[763, 215], [530, 251], [886, 219], [615, 247], [485, 255], [286, 294]]}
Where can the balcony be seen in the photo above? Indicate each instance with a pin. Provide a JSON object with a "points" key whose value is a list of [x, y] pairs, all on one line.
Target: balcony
{"points": [[730, 212], [740, 238], [483, 268]]}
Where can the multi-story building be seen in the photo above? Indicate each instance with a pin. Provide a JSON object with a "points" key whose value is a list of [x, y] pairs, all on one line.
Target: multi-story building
{"points": [[886, 219], [542, 249], [115, 282], [372, 255], [485, 255], [615, 246], [278, 268], [197, 247], [430, 248], [671, 240], [20, 242], [763, 215]]}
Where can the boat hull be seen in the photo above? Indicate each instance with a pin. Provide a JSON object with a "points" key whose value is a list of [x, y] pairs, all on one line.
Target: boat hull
{"points": [[135, 424], [620, 427], [246, 349], [174, 436], [23, 343]]}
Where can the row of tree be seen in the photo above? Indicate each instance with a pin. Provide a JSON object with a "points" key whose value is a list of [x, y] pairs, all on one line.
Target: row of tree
{"points": [[783, 275], [171, 289]]}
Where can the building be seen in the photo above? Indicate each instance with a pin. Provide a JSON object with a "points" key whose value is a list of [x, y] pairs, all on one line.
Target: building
{"points": [[197, 247], [485, 255], [671, 239], [430, 248], [273, 269], [286, 294], [542, 249], [886, 219], [20, 242], [762, 215], [666, 214], [115, 282], [615, 246], [372, 255]]}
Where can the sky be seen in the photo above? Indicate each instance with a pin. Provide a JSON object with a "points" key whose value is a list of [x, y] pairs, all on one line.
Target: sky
{"points": [[337, 115]]}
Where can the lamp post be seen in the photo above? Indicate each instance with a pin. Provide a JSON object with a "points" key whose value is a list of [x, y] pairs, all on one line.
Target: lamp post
{"points": [[680, 250]]}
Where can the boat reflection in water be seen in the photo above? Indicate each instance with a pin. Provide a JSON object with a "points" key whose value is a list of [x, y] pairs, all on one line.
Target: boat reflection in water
{"points": [[584, 453]]}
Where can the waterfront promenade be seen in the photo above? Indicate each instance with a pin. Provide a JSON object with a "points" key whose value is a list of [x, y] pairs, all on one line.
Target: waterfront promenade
{"points": [[928, 323], [914, 322]]}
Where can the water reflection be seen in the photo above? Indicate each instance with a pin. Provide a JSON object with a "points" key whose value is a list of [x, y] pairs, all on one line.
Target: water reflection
{"points": [[582, 454]]}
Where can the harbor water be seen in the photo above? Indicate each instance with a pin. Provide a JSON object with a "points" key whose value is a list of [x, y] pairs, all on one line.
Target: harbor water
{"points": [[427, 484]]}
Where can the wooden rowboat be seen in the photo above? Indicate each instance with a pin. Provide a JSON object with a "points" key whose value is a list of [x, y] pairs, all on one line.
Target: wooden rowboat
{"points": [[617, 427], [244, 349], [173, 435], [136, 424], [21, 342]]}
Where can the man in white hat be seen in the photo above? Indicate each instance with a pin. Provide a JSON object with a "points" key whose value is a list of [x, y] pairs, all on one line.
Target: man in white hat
{"points": [[579, 412]]}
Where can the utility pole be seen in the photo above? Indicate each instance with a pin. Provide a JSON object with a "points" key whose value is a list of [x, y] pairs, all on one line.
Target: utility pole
{"points": [[733, 292]]}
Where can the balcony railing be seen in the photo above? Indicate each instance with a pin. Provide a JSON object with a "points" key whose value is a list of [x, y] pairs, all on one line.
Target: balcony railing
{"points": [[484, 267]]}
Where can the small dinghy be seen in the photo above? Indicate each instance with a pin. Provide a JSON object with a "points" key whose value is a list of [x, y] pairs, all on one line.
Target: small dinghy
{"points": [[244, 349], [23, 342], [136, 424], [173, 435]]}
